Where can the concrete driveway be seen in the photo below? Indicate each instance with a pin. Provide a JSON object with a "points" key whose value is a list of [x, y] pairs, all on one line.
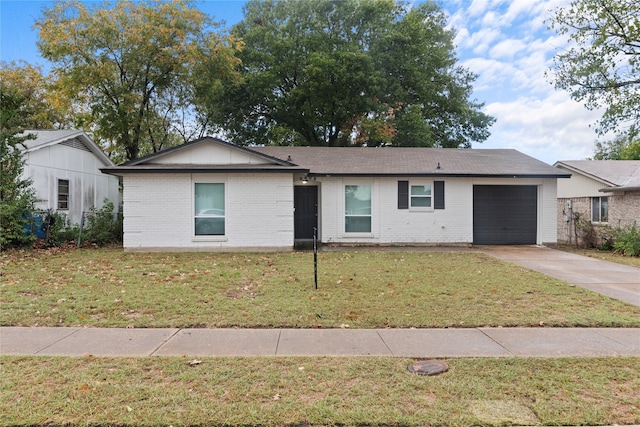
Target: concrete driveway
{"points": [[607, 278]]}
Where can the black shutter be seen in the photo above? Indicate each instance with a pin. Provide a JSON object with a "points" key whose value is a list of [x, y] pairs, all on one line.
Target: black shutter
{"points": [[438, 194], [403, 194]]}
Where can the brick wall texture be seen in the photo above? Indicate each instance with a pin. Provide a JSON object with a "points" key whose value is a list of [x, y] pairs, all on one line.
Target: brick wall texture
{"points": [[624, 211]]}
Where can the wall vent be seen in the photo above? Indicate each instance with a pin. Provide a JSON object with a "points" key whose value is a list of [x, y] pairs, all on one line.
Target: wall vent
{"points": [[75, 143]]}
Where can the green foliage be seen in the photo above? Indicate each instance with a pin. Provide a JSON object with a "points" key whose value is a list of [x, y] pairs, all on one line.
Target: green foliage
{"points": [[103, 225], [340, 73], [622, 147], [134, 66], [586, 235], [62, 231], [628, 241], [602, 64], [46, 107], [17, 198]]}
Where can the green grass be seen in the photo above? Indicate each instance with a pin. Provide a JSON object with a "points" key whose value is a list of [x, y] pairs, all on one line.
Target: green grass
{"points": [[316, 391], [362, 289], [603, 255]]}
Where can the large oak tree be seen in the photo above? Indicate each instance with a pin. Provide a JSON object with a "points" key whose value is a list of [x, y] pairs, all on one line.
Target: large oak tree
{"points": [[136, 67], [337, 73]]}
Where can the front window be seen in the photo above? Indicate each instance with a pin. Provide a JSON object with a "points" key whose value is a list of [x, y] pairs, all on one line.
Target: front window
{"points": [[209, 209], [420, 196], [600, 209], [357, 208], [63, 194]]}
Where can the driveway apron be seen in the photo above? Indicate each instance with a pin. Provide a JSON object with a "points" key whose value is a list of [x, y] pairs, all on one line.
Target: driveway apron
{"points": [[614, 280]]}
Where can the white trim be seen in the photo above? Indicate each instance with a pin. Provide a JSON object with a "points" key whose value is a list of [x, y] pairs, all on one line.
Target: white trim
{"points": [[195, 179], [420, 183]]}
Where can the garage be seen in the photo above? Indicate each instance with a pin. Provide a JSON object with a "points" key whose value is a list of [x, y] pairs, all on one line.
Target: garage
{"points": [[505, 214]]}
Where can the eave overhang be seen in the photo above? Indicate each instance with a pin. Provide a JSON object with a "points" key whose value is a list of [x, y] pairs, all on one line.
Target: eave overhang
{"points": [[181, 168], [439, 174], [618, 189]]}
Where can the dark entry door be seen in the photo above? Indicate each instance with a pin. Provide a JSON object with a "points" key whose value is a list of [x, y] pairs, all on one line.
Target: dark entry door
{"points": [[505, 214], [305, 217]]}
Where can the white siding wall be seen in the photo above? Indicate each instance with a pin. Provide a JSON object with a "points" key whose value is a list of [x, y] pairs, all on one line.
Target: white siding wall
{"points": [[210, 153], [88, 187], [452, 225], [579, 186], [159, 212]]}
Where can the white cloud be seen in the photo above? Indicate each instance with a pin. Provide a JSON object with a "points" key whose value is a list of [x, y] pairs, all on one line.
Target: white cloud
{"points": [[550, 129], [507, 49], [507, 44]]}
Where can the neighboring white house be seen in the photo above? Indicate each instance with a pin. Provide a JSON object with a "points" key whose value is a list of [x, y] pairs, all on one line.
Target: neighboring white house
{"points": [[209, 194], [603, 192], [64, 166]]}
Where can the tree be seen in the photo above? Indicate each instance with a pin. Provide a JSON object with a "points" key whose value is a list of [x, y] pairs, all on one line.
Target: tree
{"points": [[48, 108], [622, 147], [135, 65], [602, 65], [17, 198], [338, 73]]}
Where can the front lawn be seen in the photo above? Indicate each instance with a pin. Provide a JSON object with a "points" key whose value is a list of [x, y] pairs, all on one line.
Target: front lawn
{"points": [[89, 391], [357, 289]]}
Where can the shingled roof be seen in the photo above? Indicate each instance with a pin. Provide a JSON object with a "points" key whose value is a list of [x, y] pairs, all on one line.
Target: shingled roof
{"points": [[619, 175], [358, 161], [401, 161]]}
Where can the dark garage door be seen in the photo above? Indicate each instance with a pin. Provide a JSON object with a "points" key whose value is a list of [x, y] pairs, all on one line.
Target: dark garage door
{"points": [[505, 214]]}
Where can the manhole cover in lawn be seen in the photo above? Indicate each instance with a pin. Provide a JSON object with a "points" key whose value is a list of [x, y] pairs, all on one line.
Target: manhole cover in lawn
{"points": [[428, 367]]}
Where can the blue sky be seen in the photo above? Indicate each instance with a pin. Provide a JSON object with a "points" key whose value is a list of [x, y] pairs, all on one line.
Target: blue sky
{"points": [[505, 42]]}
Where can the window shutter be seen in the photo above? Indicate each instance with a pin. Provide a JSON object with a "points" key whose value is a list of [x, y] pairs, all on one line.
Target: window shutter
{"points": [[438, 194], [403, 194]]}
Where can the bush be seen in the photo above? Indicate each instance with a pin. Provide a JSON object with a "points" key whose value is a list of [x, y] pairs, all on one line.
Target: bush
{"points": [[586, 234], [628, 242], [61, 230], [103, 226]]}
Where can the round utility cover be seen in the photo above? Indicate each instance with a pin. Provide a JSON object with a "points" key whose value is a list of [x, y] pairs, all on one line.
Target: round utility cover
{"points": [[428, 367]]}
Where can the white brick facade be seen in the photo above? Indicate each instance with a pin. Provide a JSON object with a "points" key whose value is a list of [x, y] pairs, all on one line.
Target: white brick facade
{"points": [[159, 196], [159, 212], [451, 225]]}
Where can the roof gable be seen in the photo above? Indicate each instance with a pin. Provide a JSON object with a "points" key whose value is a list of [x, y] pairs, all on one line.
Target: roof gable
{"points": [[205, 155], [76, 139], [617, 174], [207, 151]]}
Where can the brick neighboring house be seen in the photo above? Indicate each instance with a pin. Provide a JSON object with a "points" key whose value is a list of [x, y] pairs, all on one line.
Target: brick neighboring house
{"points": [[603, 192], [212, 195]]}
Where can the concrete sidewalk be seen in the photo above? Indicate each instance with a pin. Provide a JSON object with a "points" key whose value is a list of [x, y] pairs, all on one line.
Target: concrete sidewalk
{"points": [[414, 343]]}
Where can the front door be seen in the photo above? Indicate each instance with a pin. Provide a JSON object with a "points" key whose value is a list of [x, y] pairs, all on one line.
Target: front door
{"points": [[305, 204]]}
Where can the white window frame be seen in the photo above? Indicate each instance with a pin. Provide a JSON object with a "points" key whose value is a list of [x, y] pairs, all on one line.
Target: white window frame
{"points": [[430, 196], [345, 214], [598, 200], [196, 215]]}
